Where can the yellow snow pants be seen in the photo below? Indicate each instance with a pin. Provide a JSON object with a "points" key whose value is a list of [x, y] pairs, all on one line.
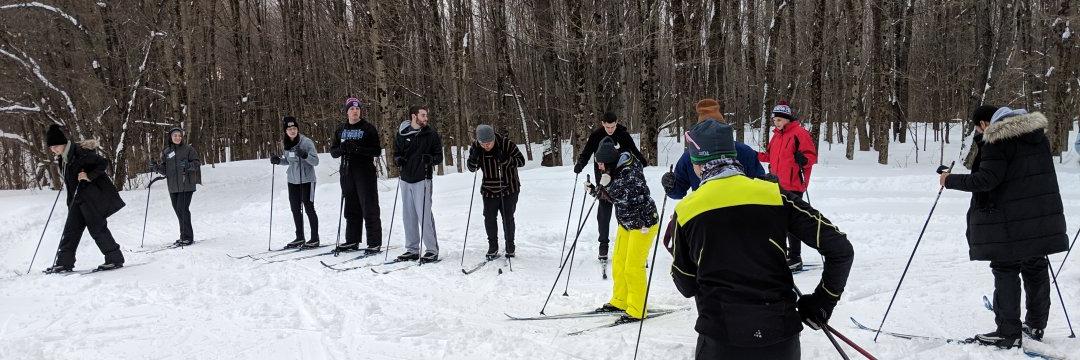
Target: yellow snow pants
{"points": [[628, 269]]}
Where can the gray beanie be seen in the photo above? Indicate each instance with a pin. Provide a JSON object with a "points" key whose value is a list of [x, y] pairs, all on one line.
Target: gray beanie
{"points": [[606, 152], [485, 133], [710, 140]]}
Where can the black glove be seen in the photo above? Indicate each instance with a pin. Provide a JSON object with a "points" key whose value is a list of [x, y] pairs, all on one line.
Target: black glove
{"points": [[770, 177], [182, 165], [474, 151], [800, 159], [816, 308], [301, 153], [336, 152], [578, 167], [275, 160], [472, 165], [400, 161], [351, 147], [668, 181], [427, 159], [155, 167]]}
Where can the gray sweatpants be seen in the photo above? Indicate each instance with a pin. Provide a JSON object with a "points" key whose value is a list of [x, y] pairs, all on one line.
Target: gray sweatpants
{"points": [[416, 206]]}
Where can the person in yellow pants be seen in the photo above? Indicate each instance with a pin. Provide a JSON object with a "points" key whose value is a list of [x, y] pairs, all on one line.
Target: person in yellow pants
{"points": [[628, 269], [623, 184]]}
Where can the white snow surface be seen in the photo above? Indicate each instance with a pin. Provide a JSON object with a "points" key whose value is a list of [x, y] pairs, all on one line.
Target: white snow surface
{"points": [[197, 303]]}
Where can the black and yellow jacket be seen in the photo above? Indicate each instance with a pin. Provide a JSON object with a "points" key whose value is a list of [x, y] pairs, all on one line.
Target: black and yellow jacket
{"points": [[729, 255]]}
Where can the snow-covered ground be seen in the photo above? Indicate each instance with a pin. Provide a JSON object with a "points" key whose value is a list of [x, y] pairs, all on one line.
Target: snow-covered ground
{"points": [[197, 303]]}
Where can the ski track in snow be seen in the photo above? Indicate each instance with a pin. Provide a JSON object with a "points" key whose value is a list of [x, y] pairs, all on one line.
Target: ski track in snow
{"points": [[196, 303]]}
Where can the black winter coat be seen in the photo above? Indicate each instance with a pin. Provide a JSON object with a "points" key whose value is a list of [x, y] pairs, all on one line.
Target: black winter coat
{"points": [[359, 145], [97, 198], [1016, 210], [621, 137], [410, 146]]}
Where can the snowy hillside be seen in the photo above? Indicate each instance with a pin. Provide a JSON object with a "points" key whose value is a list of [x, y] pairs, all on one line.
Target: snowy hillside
{"points": [[197, 303]]}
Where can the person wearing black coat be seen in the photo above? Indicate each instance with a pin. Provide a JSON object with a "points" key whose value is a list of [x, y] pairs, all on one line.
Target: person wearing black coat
{"points": [[91, 198], [180, 166], [356, 143], [609, 127], [1016, 217], [417, 150]]}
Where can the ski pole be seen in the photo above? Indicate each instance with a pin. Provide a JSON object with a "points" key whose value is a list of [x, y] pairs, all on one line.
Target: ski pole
{"points": [[1061, 300], [573, 251], [47, 220], [1067, 252], [468, 219], [270, 232], [849, 342], [423, 222], [142, 241], [341, 209], [652, 268], [341, 213], [569, 214], [567, 258], [906, 267], [393, 210]]}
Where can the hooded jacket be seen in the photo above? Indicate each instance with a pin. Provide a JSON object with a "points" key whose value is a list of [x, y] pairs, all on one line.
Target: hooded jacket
{"points": [[97, 198], [634, 208], [410, 146], [1016, 210], [781, 156]]}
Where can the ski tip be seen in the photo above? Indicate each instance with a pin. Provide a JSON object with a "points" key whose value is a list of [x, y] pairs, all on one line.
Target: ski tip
{"points": [[464, 272], [500, 272]]}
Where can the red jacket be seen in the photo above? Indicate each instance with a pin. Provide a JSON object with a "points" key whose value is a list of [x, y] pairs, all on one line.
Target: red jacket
{"points": [[781, 156]]}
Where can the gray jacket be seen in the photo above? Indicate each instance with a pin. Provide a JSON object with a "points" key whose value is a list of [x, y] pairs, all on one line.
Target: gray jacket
{"points": [[180, 165], [301, 171]]}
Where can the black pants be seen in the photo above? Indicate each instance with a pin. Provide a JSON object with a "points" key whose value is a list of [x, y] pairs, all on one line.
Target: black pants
{"points": [[794, 244], [710, 349], [303, 195], [603, 220], [361, 194], [79, 218], [181, 202], [506, 205], [1007, 276]]}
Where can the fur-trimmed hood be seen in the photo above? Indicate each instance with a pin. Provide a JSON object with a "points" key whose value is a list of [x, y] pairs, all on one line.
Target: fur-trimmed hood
{"points": [[1014, 126]]}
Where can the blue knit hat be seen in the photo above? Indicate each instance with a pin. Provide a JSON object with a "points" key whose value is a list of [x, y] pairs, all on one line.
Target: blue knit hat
{"points": [[710, 140]]}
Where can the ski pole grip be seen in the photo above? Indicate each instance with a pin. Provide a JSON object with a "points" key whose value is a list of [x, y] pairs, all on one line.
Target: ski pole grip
{"points": [[942, 169]]}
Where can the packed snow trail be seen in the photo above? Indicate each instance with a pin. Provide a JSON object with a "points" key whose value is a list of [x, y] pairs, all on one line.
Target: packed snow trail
{"points": [[195, 302]]}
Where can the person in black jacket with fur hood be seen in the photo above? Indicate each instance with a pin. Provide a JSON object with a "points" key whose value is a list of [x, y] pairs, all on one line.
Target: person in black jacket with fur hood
{"points": [[1016, 217], [91, 198]]}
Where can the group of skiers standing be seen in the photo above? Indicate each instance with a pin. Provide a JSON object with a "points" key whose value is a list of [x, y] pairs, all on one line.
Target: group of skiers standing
{"points": [[722, 236]]}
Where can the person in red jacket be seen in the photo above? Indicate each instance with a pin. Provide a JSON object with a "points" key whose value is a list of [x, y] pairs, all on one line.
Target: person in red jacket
{"points": [[791, 155]]}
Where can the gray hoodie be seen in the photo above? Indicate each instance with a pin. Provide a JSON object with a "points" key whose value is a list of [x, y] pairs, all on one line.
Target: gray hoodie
{"points": [[301, 171]]}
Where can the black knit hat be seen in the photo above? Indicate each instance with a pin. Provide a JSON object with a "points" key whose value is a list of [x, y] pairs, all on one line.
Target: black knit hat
{"points": [[55, 136], [983, 113], [710, 140], [606, 152], [288, 122]]}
